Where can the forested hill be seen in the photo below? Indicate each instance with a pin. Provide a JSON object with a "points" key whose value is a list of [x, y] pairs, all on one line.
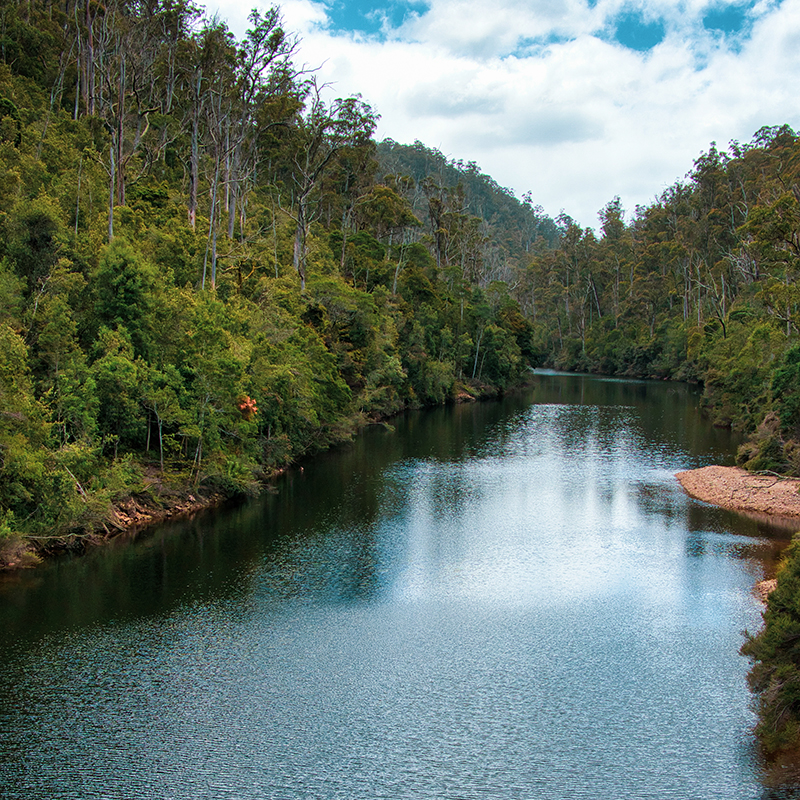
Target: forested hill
{"points": [[462, 188], [700, 285], [204, 273], [209, 269]]}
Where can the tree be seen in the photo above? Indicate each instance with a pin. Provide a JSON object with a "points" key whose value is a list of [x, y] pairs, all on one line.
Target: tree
{"points": [[118, 379], [775, 652], [36, 237], [126, 286], [319, 136], [389, 214], [263, 70]]}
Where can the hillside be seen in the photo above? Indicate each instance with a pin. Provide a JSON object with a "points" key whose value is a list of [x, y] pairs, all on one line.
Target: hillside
{"points": [[518, 226], [203, 273]]}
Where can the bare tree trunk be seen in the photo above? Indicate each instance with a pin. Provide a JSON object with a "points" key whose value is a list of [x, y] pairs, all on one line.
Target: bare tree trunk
{"points": [[111, 190], [299, 257], [212, 231], [194, 166], [231, 184], [300, 240], [89, 62], [160, 442], [120, 134], [78, 195], [275, 236], [76, 106], [194, 159], [477, 350]]}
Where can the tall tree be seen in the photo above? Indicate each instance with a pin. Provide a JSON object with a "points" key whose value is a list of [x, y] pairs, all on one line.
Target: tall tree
{"points": [[320, 135]]}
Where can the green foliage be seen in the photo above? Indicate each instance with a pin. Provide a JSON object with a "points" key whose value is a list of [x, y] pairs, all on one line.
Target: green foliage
{"points": [[214, 277], [7, 527], [11, 302], [775, 652], [23, 432], [786, 391], [501, 361], [118, 382], [36, 237], [516, 225], [125, 284], [765, 450], [226, 272], [738, 370], [232, 475]]}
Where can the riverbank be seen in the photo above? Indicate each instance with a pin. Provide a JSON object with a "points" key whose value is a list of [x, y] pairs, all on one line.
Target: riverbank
{"points": [[739, 490], [125, 517], [175, 497]]}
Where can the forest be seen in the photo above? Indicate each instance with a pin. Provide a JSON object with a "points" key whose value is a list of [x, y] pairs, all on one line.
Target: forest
{"points": [[207, 272], [209, 269]]}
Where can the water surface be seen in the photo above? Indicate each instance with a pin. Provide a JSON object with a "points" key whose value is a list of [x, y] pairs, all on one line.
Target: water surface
{"points": [[498, 600]]}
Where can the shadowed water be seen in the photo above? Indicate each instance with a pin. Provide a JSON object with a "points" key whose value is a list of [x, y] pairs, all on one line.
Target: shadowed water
{"points": [[501, 600]]}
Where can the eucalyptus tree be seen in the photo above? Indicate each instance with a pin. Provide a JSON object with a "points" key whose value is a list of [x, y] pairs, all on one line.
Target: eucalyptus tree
{"points": [[125, 83], [206, 66], [320, 135], [390, 214], [344, 193], [263, 70]]}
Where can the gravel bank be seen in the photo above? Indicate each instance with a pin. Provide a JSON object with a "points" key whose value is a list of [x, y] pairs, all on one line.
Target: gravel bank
{"points": [[740, 490]]}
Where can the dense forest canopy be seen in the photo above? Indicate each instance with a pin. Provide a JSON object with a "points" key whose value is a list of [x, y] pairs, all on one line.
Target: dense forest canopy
{"points": [[204, 272]]}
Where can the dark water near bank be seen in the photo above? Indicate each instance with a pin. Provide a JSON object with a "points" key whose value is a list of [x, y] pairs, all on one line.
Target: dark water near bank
{"points": [[501, 600]]}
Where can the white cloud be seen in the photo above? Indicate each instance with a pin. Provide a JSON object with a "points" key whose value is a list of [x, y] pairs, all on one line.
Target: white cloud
{"points": [[484, 30], [543, 99]]}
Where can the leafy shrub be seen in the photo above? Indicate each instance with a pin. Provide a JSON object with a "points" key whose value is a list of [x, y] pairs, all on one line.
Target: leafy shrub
{"points": [[775, 652]]}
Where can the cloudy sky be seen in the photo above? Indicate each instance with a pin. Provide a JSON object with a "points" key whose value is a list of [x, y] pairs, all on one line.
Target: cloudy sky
{"points": [[575, 101]]}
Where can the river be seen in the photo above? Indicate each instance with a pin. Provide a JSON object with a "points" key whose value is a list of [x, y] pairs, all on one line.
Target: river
{"points": [[511, 599]]}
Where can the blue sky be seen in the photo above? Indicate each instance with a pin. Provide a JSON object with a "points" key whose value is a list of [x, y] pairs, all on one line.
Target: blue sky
{"points": [[576, 101], [370, 18]]}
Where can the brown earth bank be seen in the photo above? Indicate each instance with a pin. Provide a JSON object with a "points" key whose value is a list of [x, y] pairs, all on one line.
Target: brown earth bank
{"points": [[126, 516], [160, 503]]}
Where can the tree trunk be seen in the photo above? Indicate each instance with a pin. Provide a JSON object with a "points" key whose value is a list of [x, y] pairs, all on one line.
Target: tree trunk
{"points": [[477, 350], [194, 159], [88, 82], [212, 232], [299, 254], [120, 135], [160, 442], [111, 188], [300, 241]]}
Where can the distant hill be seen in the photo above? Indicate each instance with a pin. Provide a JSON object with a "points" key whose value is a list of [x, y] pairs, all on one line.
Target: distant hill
{"points": [[512, 223]]}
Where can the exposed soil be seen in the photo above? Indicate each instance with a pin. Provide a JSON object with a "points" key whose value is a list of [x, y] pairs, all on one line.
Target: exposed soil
{"points": [[134, 513], [128, 515], [739, 490]]}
